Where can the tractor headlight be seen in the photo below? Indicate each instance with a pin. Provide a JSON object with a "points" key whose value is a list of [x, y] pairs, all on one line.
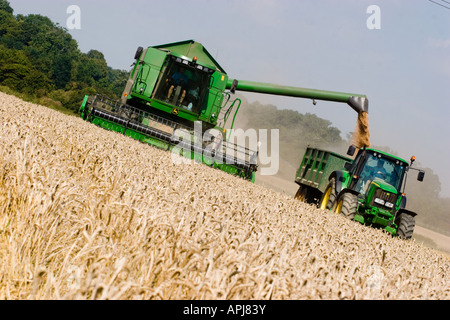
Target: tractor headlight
{"points": [[389, 205], [379, 201]]}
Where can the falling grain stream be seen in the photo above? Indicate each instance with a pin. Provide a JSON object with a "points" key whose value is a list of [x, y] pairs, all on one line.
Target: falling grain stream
{"points": [[361, 135]]}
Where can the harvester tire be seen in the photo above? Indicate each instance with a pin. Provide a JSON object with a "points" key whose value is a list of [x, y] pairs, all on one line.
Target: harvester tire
{"points": [[405, 226], [329, 196], [347, 205]]}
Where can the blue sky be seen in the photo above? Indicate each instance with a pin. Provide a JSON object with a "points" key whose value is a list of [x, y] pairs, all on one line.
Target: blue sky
{"points": [[403, 68]]}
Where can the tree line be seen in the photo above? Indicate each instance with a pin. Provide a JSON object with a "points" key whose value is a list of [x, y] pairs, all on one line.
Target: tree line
{"points": [[40, 59]]}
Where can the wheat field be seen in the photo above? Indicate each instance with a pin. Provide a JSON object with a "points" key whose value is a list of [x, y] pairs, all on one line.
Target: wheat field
{"points": [[90, 214]]}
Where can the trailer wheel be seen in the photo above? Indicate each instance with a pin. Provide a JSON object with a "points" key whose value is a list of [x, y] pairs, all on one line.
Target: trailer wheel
{"points": [[301, 193], [347, 205], [306, 194], [405, 226], [329, 196]]}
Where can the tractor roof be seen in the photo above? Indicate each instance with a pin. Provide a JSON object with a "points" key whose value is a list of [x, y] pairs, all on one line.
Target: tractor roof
{"points": [[191, 49], [388, 155]]}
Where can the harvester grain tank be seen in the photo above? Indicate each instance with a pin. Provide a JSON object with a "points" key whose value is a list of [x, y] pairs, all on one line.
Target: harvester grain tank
{"points": [[367, 185], [178, 98]]}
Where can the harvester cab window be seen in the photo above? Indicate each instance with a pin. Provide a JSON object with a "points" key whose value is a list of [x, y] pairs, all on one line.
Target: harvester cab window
{"points": [[177, 83], [184, 85]]}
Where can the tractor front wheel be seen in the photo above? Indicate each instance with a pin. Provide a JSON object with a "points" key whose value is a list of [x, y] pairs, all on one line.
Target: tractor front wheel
{"points": [[347, 204], [406, 224]]}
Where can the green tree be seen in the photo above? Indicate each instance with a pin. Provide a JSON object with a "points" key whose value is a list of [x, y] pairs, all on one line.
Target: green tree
{"points": [[51, 48], [17, 72], [4, 6], [61, 71], [96, 65], [9, 31], [38, 57]]}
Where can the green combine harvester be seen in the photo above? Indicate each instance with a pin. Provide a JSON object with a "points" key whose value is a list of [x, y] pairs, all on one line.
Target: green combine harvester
{"points": [[178, 98]]}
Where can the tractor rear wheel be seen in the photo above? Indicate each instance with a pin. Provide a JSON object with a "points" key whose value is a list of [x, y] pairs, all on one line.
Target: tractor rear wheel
{"points": [[347, 205], [329, 196], [406, 224]]}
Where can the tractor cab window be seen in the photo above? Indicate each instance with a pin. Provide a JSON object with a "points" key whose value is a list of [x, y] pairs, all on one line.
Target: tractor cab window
{"points": [[379, 167], [184, 85]]}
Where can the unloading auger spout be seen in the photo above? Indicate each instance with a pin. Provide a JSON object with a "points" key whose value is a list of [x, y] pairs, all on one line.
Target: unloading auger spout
{"points": [[357, 102]]}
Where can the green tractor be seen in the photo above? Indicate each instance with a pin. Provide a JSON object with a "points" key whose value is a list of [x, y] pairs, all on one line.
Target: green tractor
{"points": [[367, 186], [178, 98]]}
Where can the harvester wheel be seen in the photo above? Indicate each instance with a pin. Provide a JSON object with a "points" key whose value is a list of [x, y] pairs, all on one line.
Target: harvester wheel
{"points": [[346, 204], [329, 196], [405, 226]]}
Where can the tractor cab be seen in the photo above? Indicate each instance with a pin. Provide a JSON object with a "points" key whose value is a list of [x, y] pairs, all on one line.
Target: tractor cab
{"points": [[372, 166], [378, 178], [375, 171]]}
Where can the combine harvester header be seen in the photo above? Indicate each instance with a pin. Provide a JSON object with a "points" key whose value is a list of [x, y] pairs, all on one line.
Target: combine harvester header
{"points": [[178, 98]]}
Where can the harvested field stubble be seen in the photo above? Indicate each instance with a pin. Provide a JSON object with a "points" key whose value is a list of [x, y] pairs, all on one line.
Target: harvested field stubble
{"points": [[91, 214]]}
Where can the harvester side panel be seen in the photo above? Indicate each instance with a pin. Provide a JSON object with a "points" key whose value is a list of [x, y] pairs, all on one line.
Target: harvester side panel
{"points": [[149, 72], [213, 103]]}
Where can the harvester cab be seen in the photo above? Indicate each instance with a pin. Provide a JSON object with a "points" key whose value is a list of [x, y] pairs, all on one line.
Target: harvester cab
{"points": [[177, 79]]}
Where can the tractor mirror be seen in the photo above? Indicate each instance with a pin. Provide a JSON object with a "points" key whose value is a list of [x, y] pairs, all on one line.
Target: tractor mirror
{"points": [[347, 166], [138, 53], [351, 150], [420, 176], [234, 86]]}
